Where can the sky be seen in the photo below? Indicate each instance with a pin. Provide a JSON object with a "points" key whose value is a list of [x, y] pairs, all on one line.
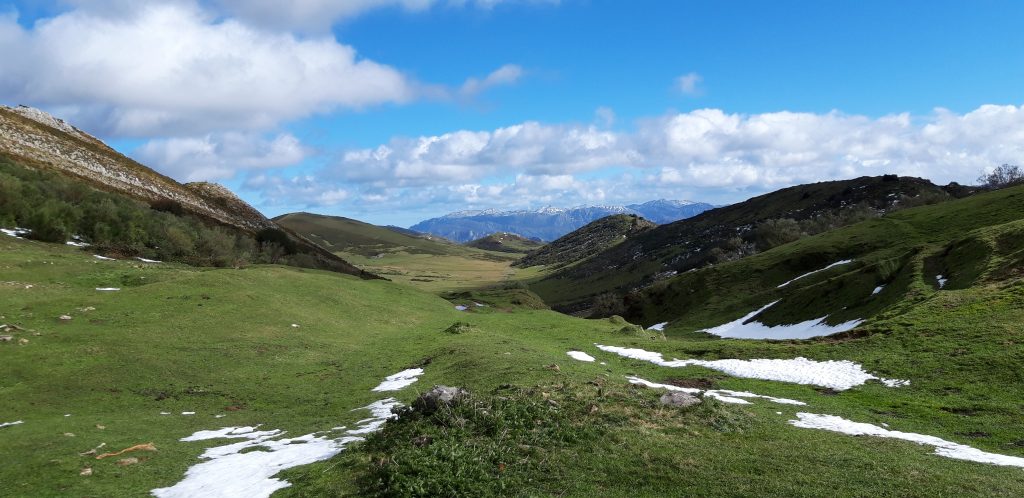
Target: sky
{"points": [[394, 111]]}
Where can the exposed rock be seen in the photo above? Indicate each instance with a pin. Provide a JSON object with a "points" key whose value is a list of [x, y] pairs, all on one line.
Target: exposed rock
{"points": [[64, 318], [438, 396], [679, 399]]}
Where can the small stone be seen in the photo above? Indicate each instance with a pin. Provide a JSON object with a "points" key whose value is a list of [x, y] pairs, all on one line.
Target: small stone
{"points": [[679, 399], [553, 367], [128, 461], [64, 318], [69, 434], [295, 325], [6, 338], [86, 472], [23, 341], [101, 426]]}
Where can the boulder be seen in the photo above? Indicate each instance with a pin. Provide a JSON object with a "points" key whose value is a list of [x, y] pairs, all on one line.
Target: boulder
{"points": [[680, 399], [438, 396]]}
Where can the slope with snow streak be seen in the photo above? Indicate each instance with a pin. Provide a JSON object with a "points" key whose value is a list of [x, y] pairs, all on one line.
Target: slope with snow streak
{"points": [[742, 329], [580, 355], [837, 263], [839, 375], [228, 472], [944, 448]]}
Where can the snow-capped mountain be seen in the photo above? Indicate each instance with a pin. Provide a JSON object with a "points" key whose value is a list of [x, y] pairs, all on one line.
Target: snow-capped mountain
{"points": [[549, 223]]}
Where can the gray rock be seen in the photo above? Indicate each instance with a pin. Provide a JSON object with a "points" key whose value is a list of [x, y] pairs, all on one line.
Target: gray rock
{"points": [[438, 396], [679, 399]]}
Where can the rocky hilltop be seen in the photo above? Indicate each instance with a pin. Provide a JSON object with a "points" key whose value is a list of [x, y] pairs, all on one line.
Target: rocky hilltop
{"points": [[41, 140]]}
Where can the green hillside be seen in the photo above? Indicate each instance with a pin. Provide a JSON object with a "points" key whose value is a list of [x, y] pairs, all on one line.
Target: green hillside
{"points": [[587, 241], [339, 234], [733, 232], [298, 350], [505, 242]]}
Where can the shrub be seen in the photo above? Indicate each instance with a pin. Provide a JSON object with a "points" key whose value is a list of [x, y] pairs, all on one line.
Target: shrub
{"points": [[1003, 176]]}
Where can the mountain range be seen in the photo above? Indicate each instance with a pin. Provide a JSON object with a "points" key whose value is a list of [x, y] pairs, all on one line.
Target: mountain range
{"points": [[550, 223]]}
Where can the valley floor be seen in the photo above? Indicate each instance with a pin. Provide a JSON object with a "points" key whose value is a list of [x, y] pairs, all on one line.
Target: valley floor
{"points": [[179, 350]]}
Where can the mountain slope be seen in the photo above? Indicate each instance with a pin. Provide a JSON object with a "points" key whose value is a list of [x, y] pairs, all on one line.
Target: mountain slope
{"points": [[549, 223], [340, 234], [730, 232], [33, 139], [587, 241], [505, 242]]}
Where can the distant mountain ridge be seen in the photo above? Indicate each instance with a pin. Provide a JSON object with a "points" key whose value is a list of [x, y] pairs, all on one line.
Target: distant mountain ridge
{"points": [[549, 223]]}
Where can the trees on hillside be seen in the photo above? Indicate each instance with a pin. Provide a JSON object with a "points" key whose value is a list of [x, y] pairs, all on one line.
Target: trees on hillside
{"points": [[1006, 175]]}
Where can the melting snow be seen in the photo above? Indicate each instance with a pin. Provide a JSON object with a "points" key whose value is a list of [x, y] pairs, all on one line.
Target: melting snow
{"points": [[479, 305], [723, 395], [580, 355], [461, 308], [227, 472], [75, 243], [837, 263], [16, 232], [877, 290], [658, 326], [103, 258], [399, 380], [814, 327], [941, 281], [836, 374], [144, 260], [944, 448], [8, 424], [188, 413], [108, 288]]}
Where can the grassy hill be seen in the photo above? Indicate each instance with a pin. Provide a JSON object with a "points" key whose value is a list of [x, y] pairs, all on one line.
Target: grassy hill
{"points": [[733, 232], [298, 350], [424, 261], [505, 242], [587, 241]]}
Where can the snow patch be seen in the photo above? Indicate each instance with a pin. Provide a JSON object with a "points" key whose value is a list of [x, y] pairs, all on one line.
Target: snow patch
{"points": [[658, 327], [580, 355], [75, 243], [723, 395], [227, 472], [144, 260], [837, 263], [877, 290], [815, 327], [8, 424], [941, 281], [461, 307], [944, 448], [188, 413], [107, 289], [103, 258], [17, 233], [399, 380], [835, 374]]}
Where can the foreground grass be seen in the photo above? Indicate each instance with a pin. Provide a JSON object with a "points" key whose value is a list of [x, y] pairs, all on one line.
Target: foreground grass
{"points": [[221, 342]]}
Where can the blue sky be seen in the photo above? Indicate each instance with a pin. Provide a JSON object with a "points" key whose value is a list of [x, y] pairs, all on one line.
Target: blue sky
{"points": [[391, 111]]}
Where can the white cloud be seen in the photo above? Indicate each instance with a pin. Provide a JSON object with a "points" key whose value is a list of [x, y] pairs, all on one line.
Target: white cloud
{"points": [[175, 69], [220, 156], [688, 84], [704, 154], [505, 75], [305, 190]]}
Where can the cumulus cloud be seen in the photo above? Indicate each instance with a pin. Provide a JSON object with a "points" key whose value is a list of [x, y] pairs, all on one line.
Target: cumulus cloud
{"points": [[688, 84], [707, 153], [175, 69], [220, 156]]}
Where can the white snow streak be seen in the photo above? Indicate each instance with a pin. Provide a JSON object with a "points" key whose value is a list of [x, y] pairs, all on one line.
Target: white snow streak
{"points": [[580, 355], [16, 232], [835, 374], [144, 260], [837, 263], [103, 258], [399, 380], [877, 290], [461, 308], [8, 424], [108, 289], [941, 281], [944, 448], [658, 327], [814, 327], [723, 395]]}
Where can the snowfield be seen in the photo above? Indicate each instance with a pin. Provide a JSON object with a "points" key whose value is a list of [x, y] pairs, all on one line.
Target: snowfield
{"points": [[742, 329], [837, 263]]}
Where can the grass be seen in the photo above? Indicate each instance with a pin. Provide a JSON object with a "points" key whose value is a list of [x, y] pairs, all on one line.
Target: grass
{"points": [[221, 341]]}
